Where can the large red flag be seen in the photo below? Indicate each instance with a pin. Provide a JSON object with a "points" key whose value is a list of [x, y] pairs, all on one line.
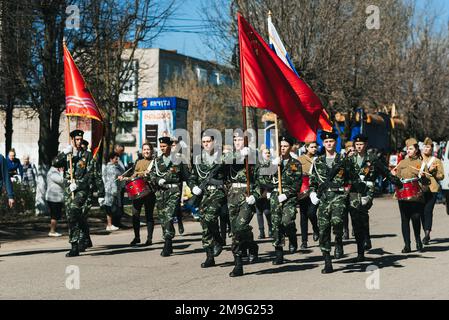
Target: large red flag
{"points": [[79, 100], [268, 83]]}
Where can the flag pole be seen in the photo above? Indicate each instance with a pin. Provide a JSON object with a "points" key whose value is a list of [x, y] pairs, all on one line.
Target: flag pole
{"points": [[242, 79], [276, 129], [70, 155]]}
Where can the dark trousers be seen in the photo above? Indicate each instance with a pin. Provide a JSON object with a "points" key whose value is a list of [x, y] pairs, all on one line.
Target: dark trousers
{"points": [[148, 202], [119, 210], [411, 210], [263, 209], [225, 223], [346, 220], [427, 218], [307, 213]]}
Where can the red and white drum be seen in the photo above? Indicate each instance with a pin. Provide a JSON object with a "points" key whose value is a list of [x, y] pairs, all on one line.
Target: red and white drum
{"points": [[137, 188], [411, 190], [305, 186]]}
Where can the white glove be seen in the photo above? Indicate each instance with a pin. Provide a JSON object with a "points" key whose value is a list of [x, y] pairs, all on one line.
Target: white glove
{"points": [[362, 177], [282, 197], [161, 182], [68, 149], [250, 200], [365, 201], [268, 195], [101, 201], [244, 152], [276, 161], [197, 191], [314, 198], [73, 187]]}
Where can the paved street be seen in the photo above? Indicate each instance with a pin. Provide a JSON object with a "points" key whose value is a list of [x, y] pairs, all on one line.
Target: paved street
{"points": [[36, 269]]}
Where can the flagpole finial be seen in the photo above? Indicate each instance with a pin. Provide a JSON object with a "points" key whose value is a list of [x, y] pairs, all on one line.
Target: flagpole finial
{"points": [[269, 13]]}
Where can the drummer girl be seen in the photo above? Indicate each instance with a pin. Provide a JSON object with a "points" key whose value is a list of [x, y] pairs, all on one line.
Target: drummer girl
{"points": [[411, 199], [141, 168]]}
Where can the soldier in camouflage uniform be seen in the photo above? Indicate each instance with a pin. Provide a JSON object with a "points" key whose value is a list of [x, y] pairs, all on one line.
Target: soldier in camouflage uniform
{"points": [[208, 172], [283, 204], [241, 205], [96, 185], [168, 172], [76, 191], [369, 167], [330, 172]]}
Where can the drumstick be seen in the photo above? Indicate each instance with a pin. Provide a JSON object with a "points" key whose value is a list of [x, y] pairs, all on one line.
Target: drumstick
{"points": [[420, 170]]}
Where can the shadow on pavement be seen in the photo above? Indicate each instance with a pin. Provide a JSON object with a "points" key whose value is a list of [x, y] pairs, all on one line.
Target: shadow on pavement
{"points": [[27, 253], [284, 268]]}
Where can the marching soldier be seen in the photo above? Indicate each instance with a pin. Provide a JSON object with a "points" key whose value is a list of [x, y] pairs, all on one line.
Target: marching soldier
{"points": [[76, 190], [241, 206], [434, 166], [306, 208], [207, 184], [168, 172], [369, 167], [283, 204], [330, 172]]}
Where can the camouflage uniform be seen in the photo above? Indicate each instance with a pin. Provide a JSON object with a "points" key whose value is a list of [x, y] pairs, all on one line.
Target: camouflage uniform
{"points": [[240, 212], [83, 169], [333, 199], [96, 184], [283, 215], [169, 194], [211, 199]]}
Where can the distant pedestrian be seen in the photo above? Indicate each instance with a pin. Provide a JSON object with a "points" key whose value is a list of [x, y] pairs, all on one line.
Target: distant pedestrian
{"points": [[5, 181], [112, 199], [15, 168], [55, 197], [29, 173]]}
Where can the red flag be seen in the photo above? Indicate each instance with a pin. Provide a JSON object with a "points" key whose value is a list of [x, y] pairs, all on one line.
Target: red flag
{"points": [[325, 122], [79, 100], [268, 83]]}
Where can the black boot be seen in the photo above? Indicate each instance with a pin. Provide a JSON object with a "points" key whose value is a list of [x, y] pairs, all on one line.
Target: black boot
{"points": [[167, 250], [303, 245], [419, 246], [89, 242], [406, 249], [346, 234], [82, 245], [74, 252], [180, 227], [210, 262], [218, 248], [293, 244], [338, 253], [316, 236], [327, 263], [253, 253], [360, 252], [135, 241], [150, 228], [426, 238], [261, 234], [238, 266], [279, 259]]}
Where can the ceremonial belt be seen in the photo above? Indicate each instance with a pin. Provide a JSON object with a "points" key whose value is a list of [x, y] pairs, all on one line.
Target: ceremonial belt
{"points": [[169, 186], [213, 187], [238, 185]]}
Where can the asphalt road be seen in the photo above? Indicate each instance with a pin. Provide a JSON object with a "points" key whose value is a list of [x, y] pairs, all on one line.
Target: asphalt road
{"points": [[38, 268]]}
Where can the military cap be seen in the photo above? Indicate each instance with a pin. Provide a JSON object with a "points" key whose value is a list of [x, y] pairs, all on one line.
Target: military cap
{"points": [[76, 133], [428, 142], [328, 135], [411, 142], [288, 139], [166, 140], [360, 138]]}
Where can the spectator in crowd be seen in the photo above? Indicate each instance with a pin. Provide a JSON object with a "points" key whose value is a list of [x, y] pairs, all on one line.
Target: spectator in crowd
{"points": [[29, 173], [5, 181], [119, 149], [15, 168], [112, 200], [55, 197]]}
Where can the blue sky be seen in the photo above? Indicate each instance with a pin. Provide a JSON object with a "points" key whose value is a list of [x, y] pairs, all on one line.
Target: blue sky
{"points": [[187, 18]]}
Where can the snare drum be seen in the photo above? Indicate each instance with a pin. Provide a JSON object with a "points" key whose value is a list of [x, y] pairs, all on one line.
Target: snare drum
{"points": [[410, 191], [137, 188], [305, 186]]}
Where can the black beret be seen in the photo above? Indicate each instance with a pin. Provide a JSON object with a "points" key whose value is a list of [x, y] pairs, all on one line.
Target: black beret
{"points": [[288, 139], [360, 138], [76, 133], [328, 135], [85, 142], [166, 140]]}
